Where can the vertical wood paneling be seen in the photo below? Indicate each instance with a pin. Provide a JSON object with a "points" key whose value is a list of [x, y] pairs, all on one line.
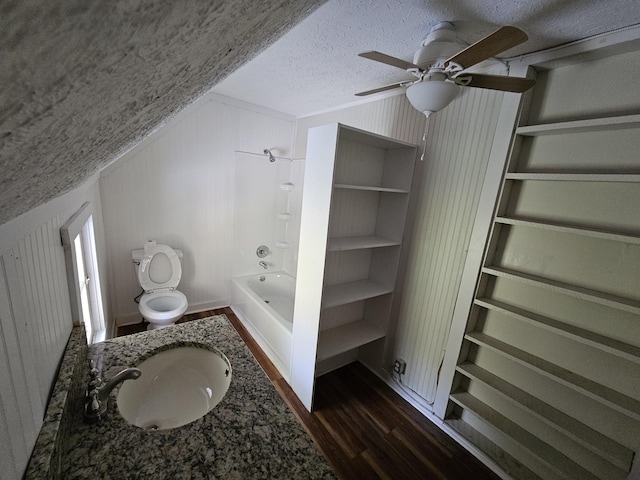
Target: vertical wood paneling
{"points": [[35, 323], [40, 271], [14, 424], [458, 143], [35, 319]]}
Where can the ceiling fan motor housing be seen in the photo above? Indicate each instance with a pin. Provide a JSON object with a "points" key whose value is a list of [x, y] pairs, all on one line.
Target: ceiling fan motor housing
{"points": [[439, 45]]}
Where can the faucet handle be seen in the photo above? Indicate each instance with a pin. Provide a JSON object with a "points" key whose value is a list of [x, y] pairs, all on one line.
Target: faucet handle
{"points": [[95, 403], [93, 407], [93, 371]]}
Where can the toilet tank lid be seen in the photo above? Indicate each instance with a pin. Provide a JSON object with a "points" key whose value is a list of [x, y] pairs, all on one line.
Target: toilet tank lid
{"points": [[136, 255]]}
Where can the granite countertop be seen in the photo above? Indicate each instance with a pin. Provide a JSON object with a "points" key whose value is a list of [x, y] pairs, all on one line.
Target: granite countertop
{"points": [[250, 434]]}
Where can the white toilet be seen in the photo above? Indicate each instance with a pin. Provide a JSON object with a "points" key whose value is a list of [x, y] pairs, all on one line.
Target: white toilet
{"points": [[159, 271]]}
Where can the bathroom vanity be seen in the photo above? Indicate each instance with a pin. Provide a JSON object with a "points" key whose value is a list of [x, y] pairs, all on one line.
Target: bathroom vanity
{"points": [[251, 433]]}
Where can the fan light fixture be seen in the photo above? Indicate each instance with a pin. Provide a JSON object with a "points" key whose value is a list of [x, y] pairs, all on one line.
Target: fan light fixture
{"points": [[440, 71], [430, 96]]}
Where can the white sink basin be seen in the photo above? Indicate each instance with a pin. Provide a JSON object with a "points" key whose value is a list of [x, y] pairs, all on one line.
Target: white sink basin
{"points": [[177, 386]]}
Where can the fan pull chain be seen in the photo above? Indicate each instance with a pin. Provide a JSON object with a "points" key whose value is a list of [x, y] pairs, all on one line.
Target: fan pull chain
{"points": [[424, 140]]}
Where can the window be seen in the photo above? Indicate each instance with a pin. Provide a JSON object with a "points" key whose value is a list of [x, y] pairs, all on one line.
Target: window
{"points": [[79, 245]]}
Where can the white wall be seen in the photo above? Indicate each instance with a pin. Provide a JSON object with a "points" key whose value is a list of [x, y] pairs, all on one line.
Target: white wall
{"points": [[177, 187], [445, 194], [35, 318]]}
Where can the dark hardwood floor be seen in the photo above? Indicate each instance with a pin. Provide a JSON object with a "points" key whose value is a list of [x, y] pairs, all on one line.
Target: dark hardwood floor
{"points": [[365, 429]]}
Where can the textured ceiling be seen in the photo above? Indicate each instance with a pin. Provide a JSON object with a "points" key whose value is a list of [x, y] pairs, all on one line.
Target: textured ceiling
{"points": [[315, 66], [82, 82]]}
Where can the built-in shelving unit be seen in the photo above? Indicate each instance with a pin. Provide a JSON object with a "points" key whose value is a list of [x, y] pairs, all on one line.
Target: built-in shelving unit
{"points": [[355, 201], [546, 383]]}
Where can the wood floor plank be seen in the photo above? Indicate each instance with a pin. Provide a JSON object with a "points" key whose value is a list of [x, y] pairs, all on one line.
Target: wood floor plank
{"points": [[414, 455], [393, 408], [365, 430]]}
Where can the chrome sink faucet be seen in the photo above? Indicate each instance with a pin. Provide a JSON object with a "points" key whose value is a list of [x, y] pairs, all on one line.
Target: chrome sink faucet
{"points": [[97, 397]]}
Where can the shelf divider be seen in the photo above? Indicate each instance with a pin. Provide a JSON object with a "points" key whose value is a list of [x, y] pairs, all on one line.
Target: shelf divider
{"points": [[574, 177], [343, 293], [336, 244], [584, 231], [605, 344], [625, 304], [337, 340], [604, 395], [589, 438], [370, 188], [577, 126]]}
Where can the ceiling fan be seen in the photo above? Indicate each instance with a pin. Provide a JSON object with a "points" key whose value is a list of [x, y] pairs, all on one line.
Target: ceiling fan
{"points": [[440, 64]]}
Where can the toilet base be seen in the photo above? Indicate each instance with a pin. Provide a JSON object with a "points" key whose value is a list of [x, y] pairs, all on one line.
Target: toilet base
{"points": [[155, 326]]}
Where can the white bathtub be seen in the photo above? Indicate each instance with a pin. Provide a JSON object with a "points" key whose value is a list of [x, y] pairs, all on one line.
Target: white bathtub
{"points": [[264, 305]]}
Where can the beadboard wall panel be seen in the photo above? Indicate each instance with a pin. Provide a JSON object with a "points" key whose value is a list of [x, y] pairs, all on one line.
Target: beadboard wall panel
{"points": [[177, 187], [446, 190], [458, 144], [35, 319]]}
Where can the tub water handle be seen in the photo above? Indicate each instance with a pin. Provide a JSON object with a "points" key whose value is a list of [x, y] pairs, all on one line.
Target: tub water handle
{"points": [[262, 251]]}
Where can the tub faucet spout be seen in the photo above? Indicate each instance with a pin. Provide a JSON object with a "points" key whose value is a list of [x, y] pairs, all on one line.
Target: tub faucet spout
{"points": [[263, 264], [97, 398]]}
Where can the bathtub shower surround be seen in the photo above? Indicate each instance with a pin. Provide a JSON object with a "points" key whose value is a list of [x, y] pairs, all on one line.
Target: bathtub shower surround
{"points": [[263, 211], [251, 433], [262, 291], [264, 304]]}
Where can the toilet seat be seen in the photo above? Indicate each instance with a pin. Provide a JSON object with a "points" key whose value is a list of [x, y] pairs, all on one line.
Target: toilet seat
{"points": [[160, 269], [162, 308]]}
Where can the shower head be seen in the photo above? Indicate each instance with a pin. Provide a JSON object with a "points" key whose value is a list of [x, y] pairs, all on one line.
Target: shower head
{"points": [[271, 157]]}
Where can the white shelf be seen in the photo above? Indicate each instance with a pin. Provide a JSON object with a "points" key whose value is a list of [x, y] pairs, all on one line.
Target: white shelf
{"points": [[577, 126], [589, 438], [542, 453], [344, 293], [606, 396], [600, 342], [337, 244], [624, 304], [370, 188], [576, 177], [335, 341], [584, 231]]}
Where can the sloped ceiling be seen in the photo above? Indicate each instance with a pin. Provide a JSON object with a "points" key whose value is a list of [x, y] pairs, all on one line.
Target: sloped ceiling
{"points": [[82, 82]]}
